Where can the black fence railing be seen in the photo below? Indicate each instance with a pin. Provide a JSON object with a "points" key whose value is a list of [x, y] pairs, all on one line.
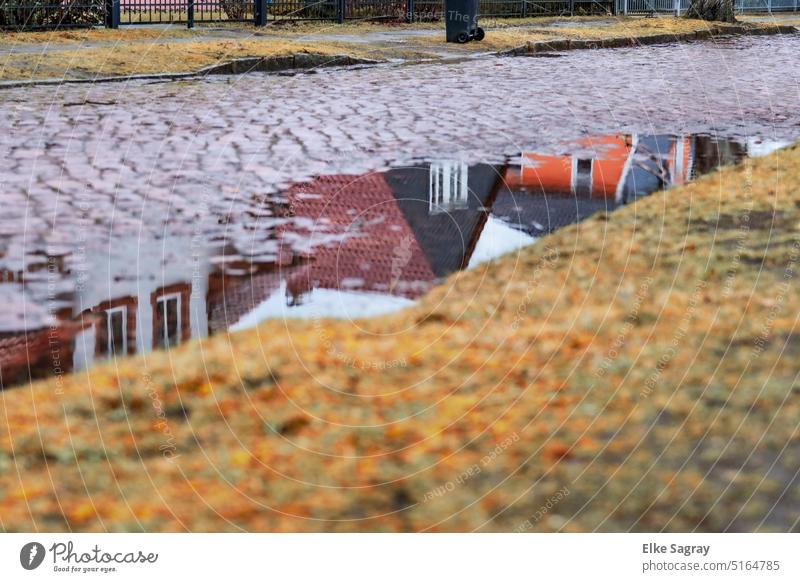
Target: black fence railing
{"points": [[303, 10], [375, 9], [37, 14], [185, 11]]}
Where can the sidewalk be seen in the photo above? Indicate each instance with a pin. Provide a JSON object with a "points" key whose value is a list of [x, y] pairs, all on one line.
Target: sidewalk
{"points": [[149, 50]]}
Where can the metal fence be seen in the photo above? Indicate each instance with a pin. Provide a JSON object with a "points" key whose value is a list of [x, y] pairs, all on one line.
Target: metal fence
{"points": [[171, 11], [425, 10], [526, 8], [31, 14], [679, 7], [35, 14]]}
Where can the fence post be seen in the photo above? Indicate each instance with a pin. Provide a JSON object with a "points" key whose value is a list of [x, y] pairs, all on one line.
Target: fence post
{"points": [[260, 13], [340, 8], [572, 7], [190, 14], [112, 13], [525, 8], [409, 11], [625, 7], [677, 7], [769, 6]]}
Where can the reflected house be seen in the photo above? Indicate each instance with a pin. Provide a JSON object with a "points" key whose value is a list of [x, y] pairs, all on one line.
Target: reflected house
{"points": [[383, 235], [355, 239], [34, 354], [32, 342], [231, 296], [448, 186], [446, 206], [395, 232], [236, 284], [545, 192], [595, 170], [344, 246], [140, 296], [113, 325], [170, 308]]}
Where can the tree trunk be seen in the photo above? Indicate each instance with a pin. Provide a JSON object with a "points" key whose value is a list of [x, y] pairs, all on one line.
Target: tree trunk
{"points": [[718, 10]]}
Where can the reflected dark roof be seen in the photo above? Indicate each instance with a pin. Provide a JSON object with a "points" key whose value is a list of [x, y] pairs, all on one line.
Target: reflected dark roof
{"points": [[447, 238], [540, 214]]}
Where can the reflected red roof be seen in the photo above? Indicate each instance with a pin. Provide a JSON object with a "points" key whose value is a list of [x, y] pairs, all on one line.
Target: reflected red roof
{"points": [[370, 245]]}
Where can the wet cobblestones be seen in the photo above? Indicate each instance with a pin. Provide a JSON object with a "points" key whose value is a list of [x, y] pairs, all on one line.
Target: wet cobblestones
{"points": [[81, 163]]}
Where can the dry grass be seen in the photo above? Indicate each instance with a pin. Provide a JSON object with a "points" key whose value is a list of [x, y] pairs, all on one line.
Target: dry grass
{"points": [[80, 36], [778, 18], [644, 361], [513, 36], [125, 59], [166, 32]]}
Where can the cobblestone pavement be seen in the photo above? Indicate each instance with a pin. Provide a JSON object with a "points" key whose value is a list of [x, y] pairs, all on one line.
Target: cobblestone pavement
{"points": [[81, 163]]}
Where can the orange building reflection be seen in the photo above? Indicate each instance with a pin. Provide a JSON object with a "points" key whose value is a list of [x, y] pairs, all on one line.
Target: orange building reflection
{"points": [[605, 166]]}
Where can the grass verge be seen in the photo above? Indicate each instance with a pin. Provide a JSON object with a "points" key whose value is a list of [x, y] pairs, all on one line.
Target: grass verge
{"points": [[103, 53]]}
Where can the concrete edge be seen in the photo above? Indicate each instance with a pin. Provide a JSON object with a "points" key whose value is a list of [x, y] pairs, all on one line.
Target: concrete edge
{"points": [[295, 62], [558, 45]]}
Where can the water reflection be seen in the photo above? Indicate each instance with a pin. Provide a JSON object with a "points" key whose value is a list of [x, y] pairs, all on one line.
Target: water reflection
{"points": [[338, 246], [546, 192]]}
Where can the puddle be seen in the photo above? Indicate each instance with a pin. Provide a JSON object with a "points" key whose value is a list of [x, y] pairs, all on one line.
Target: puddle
{"points": [[340, 246]]}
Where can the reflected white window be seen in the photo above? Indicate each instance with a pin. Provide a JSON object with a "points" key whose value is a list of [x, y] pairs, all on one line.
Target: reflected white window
{"points": [[167, 321], [116, 331], [84, 348], [448, 187], [582, 176]]}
